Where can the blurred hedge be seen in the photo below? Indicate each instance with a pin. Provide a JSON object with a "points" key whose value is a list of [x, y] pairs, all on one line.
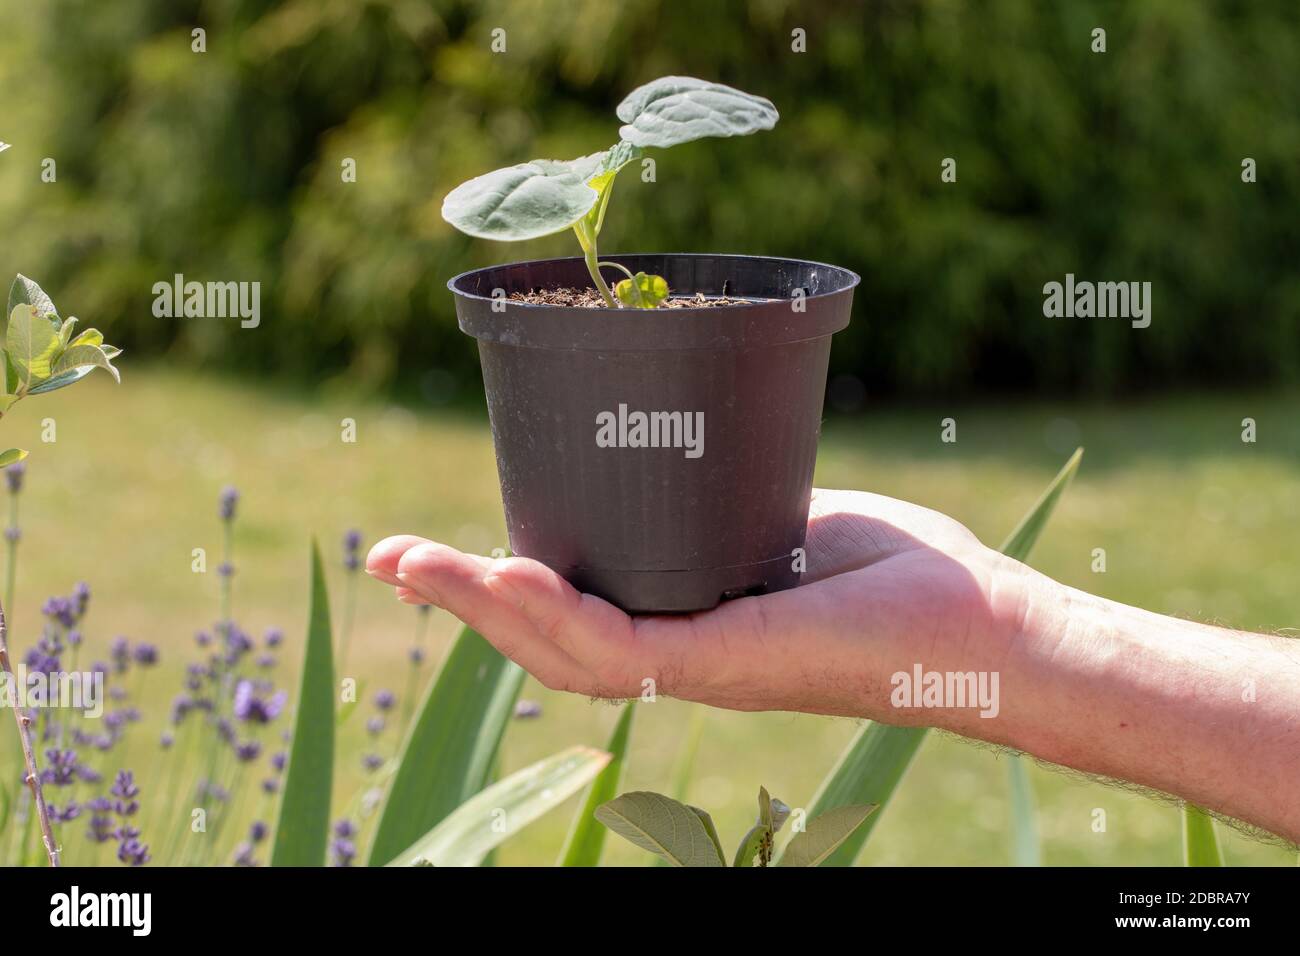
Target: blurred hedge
{"points": [[226, 166]]}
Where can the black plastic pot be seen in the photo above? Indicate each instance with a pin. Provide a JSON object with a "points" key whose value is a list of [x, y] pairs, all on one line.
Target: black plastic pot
{"points": [[681, 526]]}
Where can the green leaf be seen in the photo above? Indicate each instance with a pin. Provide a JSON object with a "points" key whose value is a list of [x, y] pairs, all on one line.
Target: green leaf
{"points": [[642, 291], [65, 332], [450, 748], [490, 817], [31, 342], [877, 758], [823, 835], [7, 401], [1025, 846], [61, 380], [678, 109], [1200, 845], [302, 834], [85, 356], [26, 292], [523, 202], [88, 337], [10, 456], [661, 825], [586, 837], [1020, 543], [710, 829], [750, 844]]}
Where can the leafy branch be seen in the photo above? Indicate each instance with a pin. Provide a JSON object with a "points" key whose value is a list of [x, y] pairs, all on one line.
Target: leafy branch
{"points": [[685, 835], [40, 355]]}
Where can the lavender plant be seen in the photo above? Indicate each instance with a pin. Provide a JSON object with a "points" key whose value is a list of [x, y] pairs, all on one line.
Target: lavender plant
{"points": [[545, 196], [40, 355]]}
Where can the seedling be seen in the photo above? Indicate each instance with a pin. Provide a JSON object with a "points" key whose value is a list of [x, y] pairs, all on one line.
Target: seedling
{"points": [[685, 835], [546, 196]]}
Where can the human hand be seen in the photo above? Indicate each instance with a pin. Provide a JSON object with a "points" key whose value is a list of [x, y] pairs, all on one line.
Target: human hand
{"points": [[888, 585]]}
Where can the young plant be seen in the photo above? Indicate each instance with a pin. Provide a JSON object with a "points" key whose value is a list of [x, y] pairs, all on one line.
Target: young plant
{"points": [[685, 835], [40, 355], [545, 196]]}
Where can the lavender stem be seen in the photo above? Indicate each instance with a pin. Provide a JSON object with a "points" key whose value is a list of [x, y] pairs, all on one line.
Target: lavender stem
{"points": [[29, 759]]}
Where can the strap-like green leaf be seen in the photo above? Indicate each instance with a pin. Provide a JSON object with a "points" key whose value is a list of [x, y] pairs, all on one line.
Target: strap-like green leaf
{"points": [[678, 109], [490, 817], [10, 456], [823, 835], [1200, 845], [586, 837], [450, 749], [302, 834], [663, 826]]}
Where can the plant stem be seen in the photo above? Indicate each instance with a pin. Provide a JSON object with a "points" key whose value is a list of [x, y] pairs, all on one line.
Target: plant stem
{"points": [[349, 616], [593, 267], [29, 759]]}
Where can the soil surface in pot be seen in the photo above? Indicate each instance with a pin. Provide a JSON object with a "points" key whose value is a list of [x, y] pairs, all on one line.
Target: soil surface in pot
{"points": [[590, 299]]}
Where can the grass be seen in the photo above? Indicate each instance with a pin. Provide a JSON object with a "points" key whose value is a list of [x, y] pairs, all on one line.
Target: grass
{"points": [[1192, 521]]}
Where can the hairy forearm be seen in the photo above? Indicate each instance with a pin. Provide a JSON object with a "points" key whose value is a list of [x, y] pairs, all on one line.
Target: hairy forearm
{"points": [[1206, 714]]}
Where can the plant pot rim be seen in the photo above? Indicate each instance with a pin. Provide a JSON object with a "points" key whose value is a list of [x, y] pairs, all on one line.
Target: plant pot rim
{"points": [[851, 281]]}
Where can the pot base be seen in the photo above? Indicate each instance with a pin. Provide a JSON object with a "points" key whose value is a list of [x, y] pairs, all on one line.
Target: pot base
{"points": [[681, 592]]}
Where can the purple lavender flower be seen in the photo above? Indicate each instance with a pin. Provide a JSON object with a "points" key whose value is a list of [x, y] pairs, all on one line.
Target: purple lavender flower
{"points": [[527, 709], [202, 638], [266, 661], [372, 762], [81, 598], [375, 726], [133, 853], [244, 855], [14, 476], [344, 829], [385, 699], [227, 502], [278, 760], [274, 637], [257, 832], [60, 609], [248, 750], [120, 651], [74, 638], [13, 534], [126, 791], [226, 569], [270, 785], [417, 656], [249, 706], [146, 655], [60, 767], [352, 550], [166, 740], [101, 827], [343, 852], [67, 814]]}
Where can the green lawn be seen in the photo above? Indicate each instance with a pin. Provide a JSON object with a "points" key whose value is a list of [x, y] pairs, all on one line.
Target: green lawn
{"points": [[1193, 522]]}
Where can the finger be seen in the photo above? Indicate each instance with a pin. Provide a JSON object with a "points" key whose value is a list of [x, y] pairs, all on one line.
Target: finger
{"points": [[381, 562], [589, 630], [455, 581]]}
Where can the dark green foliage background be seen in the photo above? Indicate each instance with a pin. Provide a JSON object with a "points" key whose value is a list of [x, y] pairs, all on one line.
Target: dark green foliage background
{"points": [[225, 166]]}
